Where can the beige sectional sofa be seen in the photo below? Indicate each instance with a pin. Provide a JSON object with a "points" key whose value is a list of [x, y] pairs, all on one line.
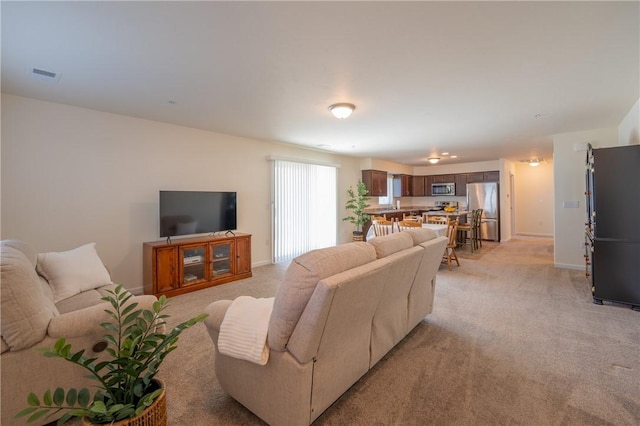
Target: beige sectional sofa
{"points": [[37, 311], [336, 313]]}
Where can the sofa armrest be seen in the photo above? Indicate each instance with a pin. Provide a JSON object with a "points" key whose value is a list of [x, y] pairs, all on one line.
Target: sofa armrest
{"points": [[216, 312], [85, 322]]}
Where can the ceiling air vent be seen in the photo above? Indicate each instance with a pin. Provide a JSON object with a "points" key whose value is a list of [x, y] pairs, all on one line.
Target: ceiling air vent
{"points": [[44, 75]]}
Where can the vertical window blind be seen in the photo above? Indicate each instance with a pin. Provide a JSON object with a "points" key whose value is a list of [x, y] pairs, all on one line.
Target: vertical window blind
{"points": [[304, 208]]}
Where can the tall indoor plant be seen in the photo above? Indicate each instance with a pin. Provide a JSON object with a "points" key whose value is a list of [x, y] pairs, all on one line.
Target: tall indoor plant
{"points": [[126, 378], [357, 203]]}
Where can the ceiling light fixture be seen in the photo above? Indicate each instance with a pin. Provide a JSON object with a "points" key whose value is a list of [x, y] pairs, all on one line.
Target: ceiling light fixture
{"points": [[342, 110], [433, 160], [533, 163]]}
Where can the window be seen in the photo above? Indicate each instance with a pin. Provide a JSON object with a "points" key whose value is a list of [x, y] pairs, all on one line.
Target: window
{"points": [[389, 198], [304, 208]]}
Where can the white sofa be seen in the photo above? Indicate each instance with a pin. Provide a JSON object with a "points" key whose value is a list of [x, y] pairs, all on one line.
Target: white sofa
{"points": [[35, 315], [336, 313]]}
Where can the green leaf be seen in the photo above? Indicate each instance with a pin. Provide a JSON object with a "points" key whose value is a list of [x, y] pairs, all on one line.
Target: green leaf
{"points": [[46, 398], [59, 344], [130, 317], [98, 407], [130, 308], [77, 356], [58, 396], [37, 415], [109, 327], [50, 354], [64, 352], [148, 315], [88, 361], [72, 394], [26, 411], [33, 400], [84, 397], [126, 412]]}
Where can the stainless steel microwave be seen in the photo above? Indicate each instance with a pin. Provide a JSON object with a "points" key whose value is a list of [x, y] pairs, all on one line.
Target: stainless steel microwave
{"points": [[443, 189]]}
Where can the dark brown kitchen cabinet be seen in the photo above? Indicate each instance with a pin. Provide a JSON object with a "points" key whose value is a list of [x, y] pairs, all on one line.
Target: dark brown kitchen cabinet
{"points": [[428, 180], [418, 186], [402, 185], [376, 182], [491, 176], [443, 178], [461, 184]]}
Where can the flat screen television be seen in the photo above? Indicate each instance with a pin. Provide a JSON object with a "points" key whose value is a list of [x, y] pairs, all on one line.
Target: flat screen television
{"points": [[196, 212]]}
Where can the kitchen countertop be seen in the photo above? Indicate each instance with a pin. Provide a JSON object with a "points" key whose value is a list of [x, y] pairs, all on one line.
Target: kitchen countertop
{"points": [[426, 209], [380, 210], [444, 213]]}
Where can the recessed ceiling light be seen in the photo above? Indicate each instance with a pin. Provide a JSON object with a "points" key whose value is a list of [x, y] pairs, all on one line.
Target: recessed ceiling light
{"points": [[454, 156], [445, 153]]}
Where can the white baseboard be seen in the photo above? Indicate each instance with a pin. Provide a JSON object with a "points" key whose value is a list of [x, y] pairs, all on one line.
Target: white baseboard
{"points": [[533, 234], [569, 266], [261, 263]]}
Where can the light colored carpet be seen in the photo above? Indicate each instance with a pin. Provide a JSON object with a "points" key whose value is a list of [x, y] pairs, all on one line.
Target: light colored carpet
{"points": [[512, 340]]}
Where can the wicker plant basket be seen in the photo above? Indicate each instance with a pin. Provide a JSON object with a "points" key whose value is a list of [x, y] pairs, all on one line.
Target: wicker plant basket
{"points": [[154, 415]]}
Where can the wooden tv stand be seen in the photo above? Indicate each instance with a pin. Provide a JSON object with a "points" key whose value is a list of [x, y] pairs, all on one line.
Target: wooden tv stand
{"points": [[189, 264]]}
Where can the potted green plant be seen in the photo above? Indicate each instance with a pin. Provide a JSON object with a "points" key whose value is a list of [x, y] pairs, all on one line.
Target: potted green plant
{"points": [[357, 203], [126, 378]]}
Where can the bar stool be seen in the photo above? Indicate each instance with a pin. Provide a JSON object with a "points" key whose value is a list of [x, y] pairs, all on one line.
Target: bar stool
{"points": [[476, 232], [465, 232]]}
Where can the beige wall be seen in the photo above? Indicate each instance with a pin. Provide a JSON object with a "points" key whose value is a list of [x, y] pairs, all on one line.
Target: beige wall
{"points": [[629, 128], [534, 199], [569, 170], [72, 175]]}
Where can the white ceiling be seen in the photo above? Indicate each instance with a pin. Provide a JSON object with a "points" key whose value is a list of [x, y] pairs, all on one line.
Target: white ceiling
{"points": [[426, 77]]}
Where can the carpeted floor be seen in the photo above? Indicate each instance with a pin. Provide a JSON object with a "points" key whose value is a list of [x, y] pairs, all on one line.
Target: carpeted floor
{"points": [[512, 340]]}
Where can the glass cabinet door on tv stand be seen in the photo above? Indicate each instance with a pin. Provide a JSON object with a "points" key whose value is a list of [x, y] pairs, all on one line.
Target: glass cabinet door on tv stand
{"points": [[222, 258], [193, 268]]}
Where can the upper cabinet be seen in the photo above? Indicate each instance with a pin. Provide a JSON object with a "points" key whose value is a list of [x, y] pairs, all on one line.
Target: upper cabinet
{"points": [[418, 186], [443, 178], [428, 180], [492, 176], [402, 185], [376, 182], [461, 184]]}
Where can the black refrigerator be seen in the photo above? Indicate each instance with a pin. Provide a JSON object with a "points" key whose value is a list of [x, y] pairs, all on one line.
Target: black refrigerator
{"points": [[612, 235]]}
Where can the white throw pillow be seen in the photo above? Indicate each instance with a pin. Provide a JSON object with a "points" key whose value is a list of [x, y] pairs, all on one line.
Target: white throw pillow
{"points": [[74, 271]]}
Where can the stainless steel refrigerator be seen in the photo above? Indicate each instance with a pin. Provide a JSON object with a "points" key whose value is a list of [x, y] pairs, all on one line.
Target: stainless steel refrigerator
{"points": [[485, 196]]}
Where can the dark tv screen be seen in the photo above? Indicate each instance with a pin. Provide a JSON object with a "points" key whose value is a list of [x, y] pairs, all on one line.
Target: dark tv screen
{"points": [[196, 212]]}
